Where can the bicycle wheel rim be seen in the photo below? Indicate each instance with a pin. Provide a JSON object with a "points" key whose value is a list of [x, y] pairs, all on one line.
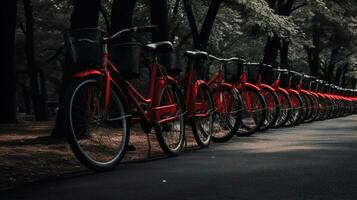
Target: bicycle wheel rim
{"points": [[88, 146], [202, 127], [171, 134]]}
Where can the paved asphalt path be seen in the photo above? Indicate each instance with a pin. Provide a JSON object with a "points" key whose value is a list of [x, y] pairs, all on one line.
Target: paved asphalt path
{"points": [[311, 161]]}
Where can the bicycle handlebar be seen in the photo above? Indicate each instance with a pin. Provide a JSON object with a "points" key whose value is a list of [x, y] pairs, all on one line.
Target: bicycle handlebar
{"points": [[140, 29], [233, 59]]}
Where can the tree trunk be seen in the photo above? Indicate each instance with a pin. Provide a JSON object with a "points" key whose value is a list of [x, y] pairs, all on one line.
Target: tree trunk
{"points": [[7, 76], [84, 15], [314, 54], [201, 38], [160, 17], [340, 77], [331, 66], [208, 24], [271, 50], [284, 54], [175, 23], [39, 101], [273, 45], [122, 14]]}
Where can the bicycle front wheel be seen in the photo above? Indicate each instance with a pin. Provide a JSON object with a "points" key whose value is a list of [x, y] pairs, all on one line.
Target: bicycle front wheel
{"points": [[296, 111], [97, 137], [253, 113], [285, 109], [314, 109], [202, 120], [226, 118], [171, 134], [273, 108]]}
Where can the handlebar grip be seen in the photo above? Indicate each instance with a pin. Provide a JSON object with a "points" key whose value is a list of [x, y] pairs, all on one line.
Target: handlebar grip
{"points": [[145, 29]]}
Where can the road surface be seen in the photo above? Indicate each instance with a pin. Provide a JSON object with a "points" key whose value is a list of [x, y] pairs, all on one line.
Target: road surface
{"points": [[310, 161]]}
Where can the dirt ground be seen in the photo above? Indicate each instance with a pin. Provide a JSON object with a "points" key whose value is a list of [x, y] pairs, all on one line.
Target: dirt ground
{"points": [[28, 154]]}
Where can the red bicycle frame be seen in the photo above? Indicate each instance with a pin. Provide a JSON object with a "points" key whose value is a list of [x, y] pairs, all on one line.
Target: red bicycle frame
{"points": [[192, 85], [218, 83], [158, 80]]}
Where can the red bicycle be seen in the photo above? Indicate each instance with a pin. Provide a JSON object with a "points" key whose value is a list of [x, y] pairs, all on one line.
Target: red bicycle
{"points": [[297, 107], [263, 76], [227, 101], [98, 101], [254, 110], [306, 89], [198, 99], [283, 95]]}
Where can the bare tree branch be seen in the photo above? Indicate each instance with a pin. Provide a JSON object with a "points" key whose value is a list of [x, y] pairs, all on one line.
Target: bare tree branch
{"points": [[298, 7], [343, 58]]}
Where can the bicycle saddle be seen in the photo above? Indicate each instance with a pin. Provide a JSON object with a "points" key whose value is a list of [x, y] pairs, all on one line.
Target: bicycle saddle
{"points": [[160, 47], [196, 54]]}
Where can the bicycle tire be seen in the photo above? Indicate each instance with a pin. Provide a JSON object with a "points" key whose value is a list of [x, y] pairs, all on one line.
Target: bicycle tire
{"points": [[314, 109], [273, 108], [296, 111], [285, 109], [244, 129], [162, 130], [203, 137], [227, 104], [306, 108], [84, 151]]}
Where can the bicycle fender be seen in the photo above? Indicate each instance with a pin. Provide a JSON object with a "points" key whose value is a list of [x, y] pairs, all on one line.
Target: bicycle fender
{"points": [[315, 94], [88, 72], [252, 86], [294, 92], [283, 91], [225, 85], [305, 92], [268, 87]]}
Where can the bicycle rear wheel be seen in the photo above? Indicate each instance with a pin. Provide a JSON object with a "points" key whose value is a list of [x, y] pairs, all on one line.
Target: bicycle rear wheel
{"points": [[296, 111], [321, 108], [253, 113], [171, 134], [306, 108], [98, 138], [273, 108], [314, 109], [202, 122], [285, 109], [226, 118]]}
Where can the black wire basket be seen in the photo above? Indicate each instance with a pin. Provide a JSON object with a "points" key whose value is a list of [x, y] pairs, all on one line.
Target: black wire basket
{"points": [[320, 86], [84, 47], [126, 57], [233, 71], [313, 85], [269, 75], [285, 77], [326, 87], [295, 79], [253, 72], [306, 82]]}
